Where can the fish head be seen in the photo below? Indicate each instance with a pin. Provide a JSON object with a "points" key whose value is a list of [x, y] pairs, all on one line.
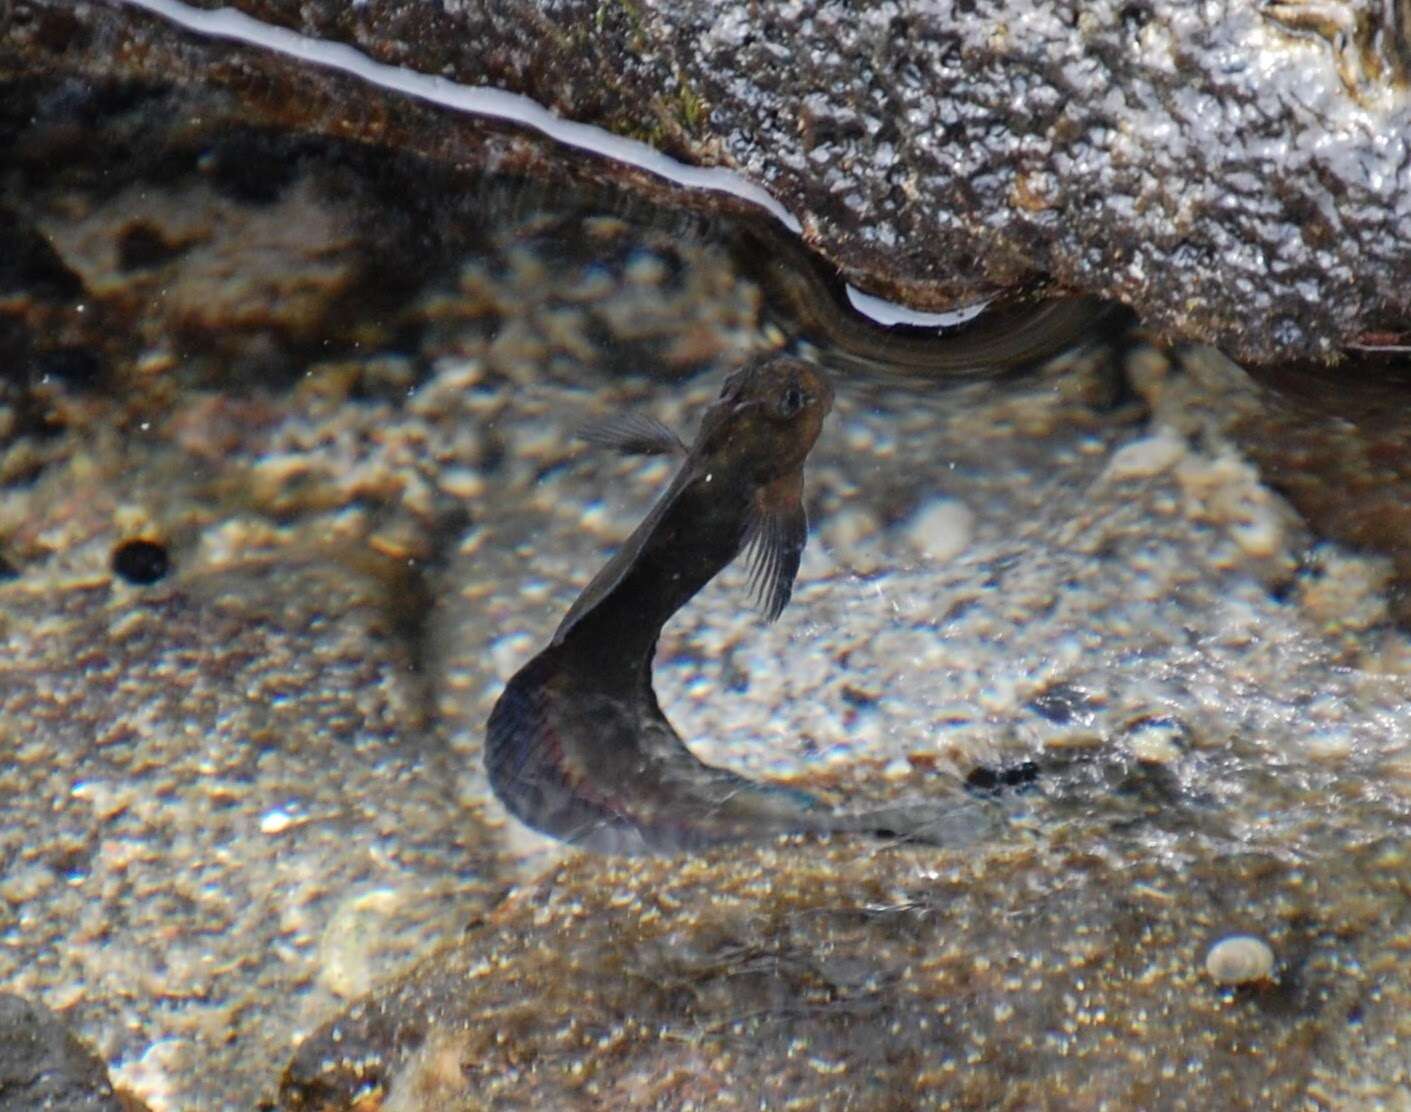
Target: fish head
{"points": [[767, 418]]}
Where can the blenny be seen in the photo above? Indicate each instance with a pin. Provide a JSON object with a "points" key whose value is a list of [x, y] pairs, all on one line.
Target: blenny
{"points": [[577, 745]]}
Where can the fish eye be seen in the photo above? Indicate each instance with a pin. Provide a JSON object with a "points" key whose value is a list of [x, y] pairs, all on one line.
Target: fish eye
{"points": [[790, 401]]}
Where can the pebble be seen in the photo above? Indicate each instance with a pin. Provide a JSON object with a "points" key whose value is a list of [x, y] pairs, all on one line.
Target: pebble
{"points": [[1148, 456], [275, 822], [1261, 534], [941, 529], [350, 939], [1156, 740], [852, 536], [1240, 959]]}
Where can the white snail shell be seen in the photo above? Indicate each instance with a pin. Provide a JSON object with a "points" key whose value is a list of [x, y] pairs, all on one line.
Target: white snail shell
{"points": [[1240, 959]]}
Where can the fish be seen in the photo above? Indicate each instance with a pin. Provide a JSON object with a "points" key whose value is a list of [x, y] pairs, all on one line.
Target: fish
{"points": [[577, 745]]}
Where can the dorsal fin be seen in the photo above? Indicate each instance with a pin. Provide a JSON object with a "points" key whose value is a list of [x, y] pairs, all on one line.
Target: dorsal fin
{"points": [[634, 434]]}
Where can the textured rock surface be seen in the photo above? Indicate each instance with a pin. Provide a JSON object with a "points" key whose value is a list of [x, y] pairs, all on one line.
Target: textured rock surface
{"points": [[1059, 975], [1236, 172], [42, 1066], [199, 782], [227, 806]]}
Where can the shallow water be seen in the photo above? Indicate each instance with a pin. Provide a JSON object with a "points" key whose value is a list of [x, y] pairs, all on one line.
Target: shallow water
{"points": [[331, 394]]}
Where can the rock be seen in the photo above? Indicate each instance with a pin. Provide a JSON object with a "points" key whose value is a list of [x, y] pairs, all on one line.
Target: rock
{"points": [[1146, 457], [852, 538], [941, 529], [1330, 441], [1158, 154], [197, 774], [1156, 740], [960, 980], [42, 1065]]}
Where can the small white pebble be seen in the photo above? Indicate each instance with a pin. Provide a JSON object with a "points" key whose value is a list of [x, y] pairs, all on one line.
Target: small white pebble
{"points": [[1240, 959], [1261, 534], [1154, 748], [275, 822], [851, 536], [461, 482], [897, 769], [356, 932], [1156, 741], [1143, 458], [941, 529]]}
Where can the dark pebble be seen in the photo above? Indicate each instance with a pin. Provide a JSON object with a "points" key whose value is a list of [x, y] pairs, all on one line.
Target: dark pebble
{"points": [[993, 781], [141, 562]]}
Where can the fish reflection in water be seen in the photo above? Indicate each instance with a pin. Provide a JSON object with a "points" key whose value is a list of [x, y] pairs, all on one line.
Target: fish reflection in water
{"points": [[577, 745]]}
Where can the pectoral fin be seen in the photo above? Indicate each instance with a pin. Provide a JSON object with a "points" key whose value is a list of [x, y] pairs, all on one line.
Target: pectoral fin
{"points": [[774, 540], [634, 434]]}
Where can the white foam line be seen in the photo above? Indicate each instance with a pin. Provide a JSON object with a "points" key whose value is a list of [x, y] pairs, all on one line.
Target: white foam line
{"points": [[888, 312], [481, 100]]}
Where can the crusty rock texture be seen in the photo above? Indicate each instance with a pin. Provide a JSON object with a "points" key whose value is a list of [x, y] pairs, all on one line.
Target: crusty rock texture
{"points": [[43, 1066], [1236, 172]]}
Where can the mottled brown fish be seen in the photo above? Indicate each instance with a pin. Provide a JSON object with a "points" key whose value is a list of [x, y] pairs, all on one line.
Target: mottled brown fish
{"points": [[577, 745]]}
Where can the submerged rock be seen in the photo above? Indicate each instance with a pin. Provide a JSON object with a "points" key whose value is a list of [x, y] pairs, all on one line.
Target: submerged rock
{"points": [[1330, 440], [42, 1065], [1066, 972], [198, 782]]}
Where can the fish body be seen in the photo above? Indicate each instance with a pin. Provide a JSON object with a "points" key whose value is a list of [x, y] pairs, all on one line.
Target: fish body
{"points": [[577, 745], [741, 484]]}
